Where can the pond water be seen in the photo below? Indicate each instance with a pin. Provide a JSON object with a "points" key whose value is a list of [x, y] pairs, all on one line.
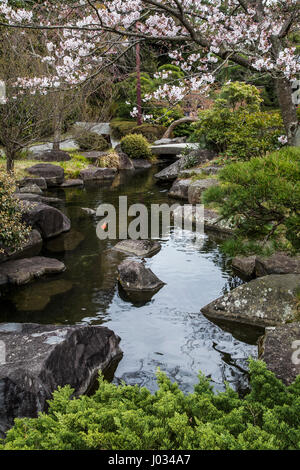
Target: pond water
{"points": [[167, 331]]}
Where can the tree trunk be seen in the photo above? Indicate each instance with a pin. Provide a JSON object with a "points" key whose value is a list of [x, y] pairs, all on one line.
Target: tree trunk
{"points": [[57, 121], [57, 133], [174, 124], [10, 161], [288, 109], [138, 86]]}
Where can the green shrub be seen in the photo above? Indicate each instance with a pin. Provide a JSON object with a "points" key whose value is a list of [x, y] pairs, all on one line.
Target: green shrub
{"points": [[136, 146], [13, 232], [262, 197], [131, 418], [236, 126], [92, 141]]}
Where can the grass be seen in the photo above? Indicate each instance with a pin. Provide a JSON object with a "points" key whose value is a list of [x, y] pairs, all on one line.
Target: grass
{"points": [[72, 167]]}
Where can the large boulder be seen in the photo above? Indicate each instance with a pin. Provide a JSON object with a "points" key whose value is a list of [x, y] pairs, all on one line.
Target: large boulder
{"points": [[196, 189], [278, 263], [280, 349], [40, 358], [54, 156], [266, 301], [135, 277], [24, 270], [180, 189], [97, 174], [48, 220], [140, 248], [32, 247], [53, 174]]}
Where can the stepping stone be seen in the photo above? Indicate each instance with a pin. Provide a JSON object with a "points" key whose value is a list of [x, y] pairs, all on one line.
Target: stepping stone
{"points": [[97, 174], [71, 183], [138, 247], [134, 276], [25, 270]]}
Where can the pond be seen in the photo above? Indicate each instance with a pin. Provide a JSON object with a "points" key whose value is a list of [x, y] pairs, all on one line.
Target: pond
{"points": [[169, 330]]}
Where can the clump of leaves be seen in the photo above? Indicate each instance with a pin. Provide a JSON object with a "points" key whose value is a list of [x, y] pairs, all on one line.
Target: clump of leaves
{"points": [[136, 146], [262, 197], [110, 160], [131, 418], [13, 232]]}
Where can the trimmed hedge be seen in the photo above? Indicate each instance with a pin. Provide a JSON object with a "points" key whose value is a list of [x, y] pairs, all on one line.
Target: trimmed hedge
{"points": [[131, 418]]}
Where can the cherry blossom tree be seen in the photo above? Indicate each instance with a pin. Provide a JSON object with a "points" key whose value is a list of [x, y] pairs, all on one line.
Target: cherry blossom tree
{"points": [[201, 36]]}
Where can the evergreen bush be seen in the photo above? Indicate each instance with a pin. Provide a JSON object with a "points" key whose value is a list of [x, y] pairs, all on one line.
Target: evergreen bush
{"points": [[131, 418], [136, 146]]}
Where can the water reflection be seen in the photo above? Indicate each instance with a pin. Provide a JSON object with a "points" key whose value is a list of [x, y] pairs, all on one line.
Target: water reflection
{"points": [[166, 330]]}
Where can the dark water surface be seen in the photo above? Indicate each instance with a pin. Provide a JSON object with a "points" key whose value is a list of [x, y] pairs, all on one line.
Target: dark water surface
{"points": [[168, 331]]}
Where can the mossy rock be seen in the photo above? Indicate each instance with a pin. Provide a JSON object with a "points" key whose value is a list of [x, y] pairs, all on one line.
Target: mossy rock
{"points": [[92, 141]]}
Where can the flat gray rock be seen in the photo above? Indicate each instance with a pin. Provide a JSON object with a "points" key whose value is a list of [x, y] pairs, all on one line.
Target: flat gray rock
{"points": [[72, 183], [53, 174], [24, 270], [38, 198], [135, 277], [280, 349], [40, 358], [97, 174], [140, 164], [266, 301], [140, 248], [278, 263]]}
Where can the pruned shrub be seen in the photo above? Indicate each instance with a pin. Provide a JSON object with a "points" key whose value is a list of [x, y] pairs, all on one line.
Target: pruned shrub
{"points": [[131, 418], [236, 126], [92, 141], [136, 146], [262, 197]]}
